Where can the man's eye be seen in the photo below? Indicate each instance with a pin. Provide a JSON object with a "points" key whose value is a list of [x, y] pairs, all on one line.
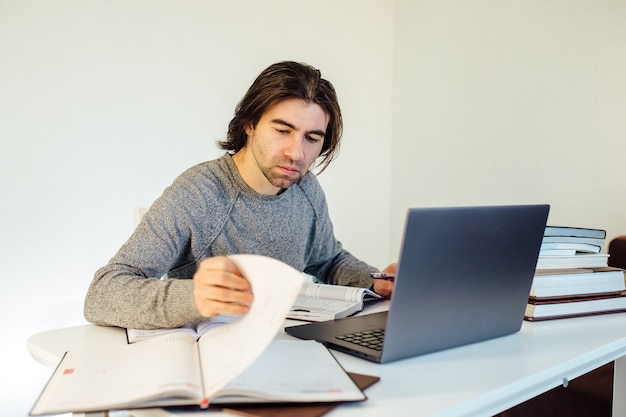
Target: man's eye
{"points": [[313, 139]]}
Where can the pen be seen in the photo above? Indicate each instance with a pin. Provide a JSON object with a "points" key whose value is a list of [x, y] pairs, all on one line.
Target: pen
{"points": [[382, 275]]}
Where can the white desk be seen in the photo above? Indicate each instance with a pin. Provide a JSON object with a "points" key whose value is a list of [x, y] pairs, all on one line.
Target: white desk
{"points": [[481, 379]]}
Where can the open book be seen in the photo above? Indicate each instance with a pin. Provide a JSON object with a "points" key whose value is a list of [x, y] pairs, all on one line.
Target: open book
{"points": [[177, 369], [140, 378], [321, 302], [196, 329]]}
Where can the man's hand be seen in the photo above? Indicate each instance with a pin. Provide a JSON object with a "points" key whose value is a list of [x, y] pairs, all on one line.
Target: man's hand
{"points": [[384, 287], [219, 288]]}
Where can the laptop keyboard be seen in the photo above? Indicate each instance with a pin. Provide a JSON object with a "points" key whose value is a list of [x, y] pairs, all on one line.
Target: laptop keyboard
{"points": [[372, 339]]}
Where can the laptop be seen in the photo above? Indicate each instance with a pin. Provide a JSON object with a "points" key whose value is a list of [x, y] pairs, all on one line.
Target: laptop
{"points": [[464, 276]]}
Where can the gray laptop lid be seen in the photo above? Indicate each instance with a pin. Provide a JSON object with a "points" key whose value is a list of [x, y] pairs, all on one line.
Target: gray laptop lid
{"points": [[464, 276]]}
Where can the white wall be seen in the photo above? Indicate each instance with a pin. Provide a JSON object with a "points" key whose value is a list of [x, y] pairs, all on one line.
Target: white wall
{"points": [[500, 102], [103, 103]]}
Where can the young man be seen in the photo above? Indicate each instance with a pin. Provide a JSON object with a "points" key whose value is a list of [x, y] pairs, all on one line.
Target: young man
{"points": [[259, 198]]}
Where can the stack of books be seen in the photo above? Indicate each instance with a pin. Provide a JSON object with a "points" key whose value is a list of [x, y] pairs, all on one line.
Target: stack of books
{"points": [[573, 277]]}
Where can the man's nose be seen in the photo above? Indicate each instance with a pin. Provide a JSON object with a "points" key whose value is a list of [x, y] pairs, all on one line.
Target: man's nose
{"points": [[295, 148]]}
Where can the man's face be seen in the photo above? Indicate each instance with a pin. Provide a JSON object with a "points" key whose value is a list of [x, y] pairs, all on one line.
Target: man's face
{"points": [[283, 145]]}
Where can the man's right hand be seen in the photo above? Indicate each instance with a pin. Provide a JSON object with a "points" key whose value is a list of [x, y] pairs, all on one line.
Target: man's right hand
{"points": [[385, 287], [220, 288]]}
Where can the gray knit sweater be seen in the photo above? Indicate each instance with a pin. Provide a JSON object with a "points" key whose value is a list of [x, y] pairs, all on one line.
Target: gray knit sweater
{"points": [[210, 211]]}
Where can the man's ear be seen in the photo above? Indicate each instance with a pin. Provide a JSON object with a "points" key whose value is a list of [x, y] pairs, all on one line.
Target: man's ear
{"points": [[248, 129]]}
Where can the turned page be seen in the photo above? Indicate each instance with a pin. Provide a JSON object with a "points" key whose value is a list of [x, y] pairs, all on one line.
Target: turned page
{"points": [[225, 351]]}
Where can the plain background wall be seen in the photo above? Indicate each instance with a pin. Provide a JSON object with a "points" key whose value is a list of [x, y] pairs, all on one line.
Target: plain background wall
{"points": [[103, 103], [504, 102]]}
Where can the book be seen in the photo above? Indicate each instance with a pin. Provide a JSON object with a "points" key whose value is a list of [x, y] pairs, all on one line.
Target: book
{"points": [[128, 378], [572, 282], [196, 329], [579, 260], [189, 371], [575, 240], [321, 302], [537, 310], [575, 232], [569, 247]]}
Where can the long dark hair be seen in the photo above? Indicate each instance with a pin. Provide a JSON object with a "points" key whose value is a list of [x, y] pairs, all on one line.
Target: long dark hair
{"points": [[282, 81]]}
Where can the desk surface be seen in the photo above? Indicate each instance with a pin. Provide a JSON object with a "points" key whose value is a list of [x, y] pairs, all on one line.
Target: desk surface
{"points": [[480, 379]]}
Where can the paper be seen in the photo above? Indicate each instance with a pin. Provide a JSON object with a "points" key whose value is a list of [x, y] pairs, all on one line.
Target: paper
{"points": [[227, 350]]}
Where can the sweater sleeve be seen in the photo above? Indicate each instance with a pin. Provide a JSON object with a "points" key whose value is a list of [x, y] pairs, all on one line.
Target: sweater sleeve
{"points": [[128, 291], [346, 269]]}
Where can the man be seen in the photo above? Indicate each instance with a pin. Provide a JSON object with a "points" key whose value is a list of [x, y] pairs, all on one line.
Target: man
{"points": [[258, 198]]}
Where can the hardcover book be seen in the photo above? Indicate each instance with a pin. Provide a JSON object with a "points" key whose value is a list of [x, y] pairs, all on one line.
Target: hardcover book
{"points": [[574, 307], [579, 260], [559, 283], [575, 231]]}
